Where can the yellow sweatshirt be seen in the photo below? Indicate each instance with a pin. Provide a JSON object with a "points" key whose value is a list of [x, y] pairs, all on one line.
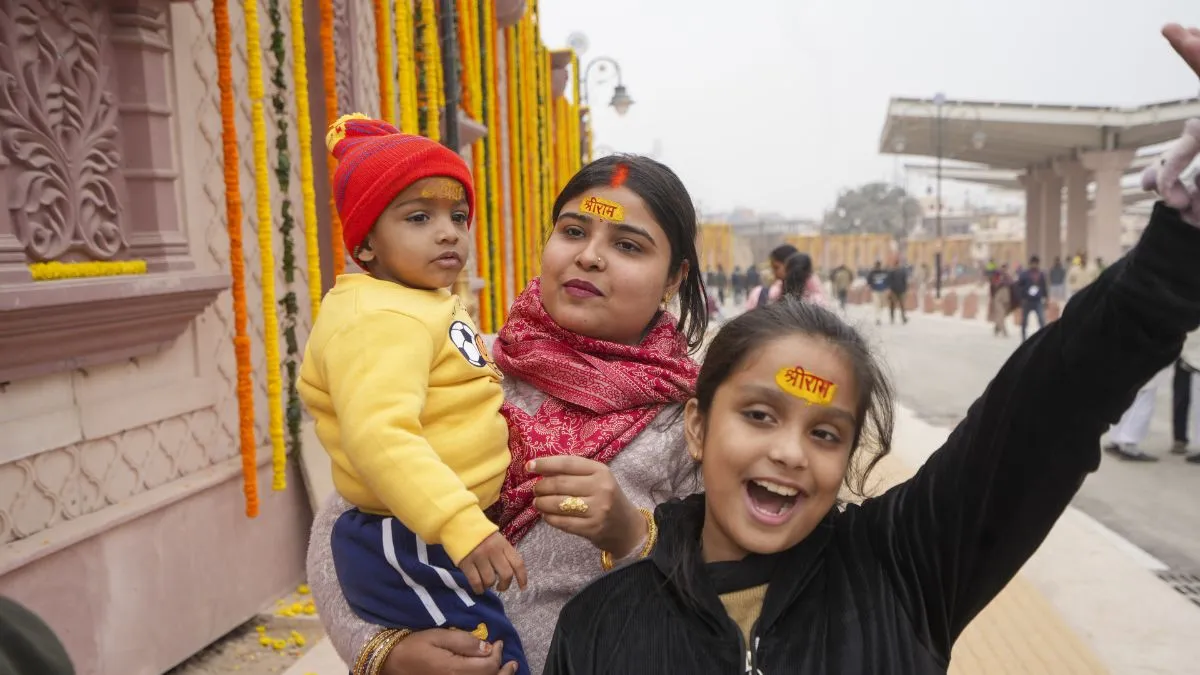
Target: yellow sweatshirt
{"points": [[407, 404]]}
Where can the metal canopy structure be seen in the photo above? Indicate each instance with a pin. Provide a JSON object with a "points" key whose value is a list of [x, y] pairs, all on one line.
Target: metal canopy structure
{"points": [[1022, 135]]}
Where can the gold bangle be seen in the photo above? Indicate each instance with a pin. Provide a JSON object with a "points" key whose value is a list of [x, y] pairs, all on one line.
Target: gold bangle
{"points": [[606, 559], [374, 654]]}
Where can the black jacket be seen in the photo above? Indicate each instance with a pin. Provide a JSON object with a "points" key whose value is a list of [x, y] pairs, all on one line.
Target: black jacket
{"points": [[898, 281], [888, 586]]}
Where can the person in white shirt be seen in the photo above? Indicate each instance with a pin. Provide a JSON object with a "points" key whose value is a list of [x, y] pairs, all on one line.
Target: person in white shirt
{"points": [[1125, 438]]}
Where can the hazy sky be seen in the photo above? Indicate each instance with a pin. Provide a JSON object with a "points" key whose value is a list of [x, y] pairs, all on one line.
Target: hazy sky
{"points": [[776, 104]]}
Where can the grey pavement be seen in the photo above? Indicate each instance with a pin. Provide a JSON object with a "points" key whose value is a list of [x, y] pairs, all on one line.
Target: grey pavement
{"points": [[940, 365]]}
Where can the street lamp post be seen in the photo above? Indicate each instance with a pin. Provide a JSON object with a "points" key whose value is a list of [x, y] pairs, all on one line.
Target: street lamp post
{"points": [[620, 101], [938, 100]]}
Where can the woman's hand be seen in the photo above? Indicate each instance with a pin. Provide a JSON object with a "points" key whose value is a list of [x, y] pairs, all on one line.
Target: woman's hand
{"points": [[1167, 176], [453, 652], [611, 522]]}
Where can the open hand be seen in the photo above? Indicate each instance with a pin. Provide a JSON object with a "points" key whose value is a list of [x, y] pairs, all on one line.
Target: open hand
{"points": [[611, 522], [1167, 177], [493, 562]]}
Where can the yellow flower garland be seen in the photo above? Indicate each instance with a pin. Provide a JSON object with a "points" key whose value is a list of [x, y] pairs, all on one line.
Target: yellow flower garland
{"points": [[53, 271], [304, 131], [262, 192], [515, 159], [576, 108], [410, 119], [383, 60], [431, 65], [473, 103], [495, 196]]}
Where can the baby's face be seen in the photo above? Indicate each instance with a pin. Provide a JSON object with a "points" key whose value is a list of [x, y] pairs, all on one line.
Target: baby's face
{"points": [[420, 239]]}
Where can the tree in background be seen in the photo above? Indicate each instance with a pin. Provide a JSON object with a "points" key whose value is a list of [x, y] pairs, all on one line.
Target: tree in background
{"points": [[874, 208]]}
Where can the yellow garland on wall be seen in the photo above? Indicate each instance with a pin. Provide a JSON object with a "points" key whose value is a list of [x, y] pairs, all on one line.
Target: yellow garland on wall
{"points": [[530, 106], [495, 194], [547, 138], [54, 270], [431, 66], [515, 161], [304, 130], [329, 75], [262, 192], [472, 92], [410, 119], [576, 108], [383, 60]]}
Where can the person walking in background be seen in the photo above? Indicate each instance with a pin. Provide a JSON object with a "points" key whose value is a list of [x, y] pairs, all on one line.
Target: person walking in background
{"points": [[722, 283], [1126, 436], [1058, 280], [766, 293], [897, 290], [1077, 276], [1185, 391], [800, 281], [1000, 289], [1032, 291], [751, 281], [842, 278], [738, 281], [877, 280]]}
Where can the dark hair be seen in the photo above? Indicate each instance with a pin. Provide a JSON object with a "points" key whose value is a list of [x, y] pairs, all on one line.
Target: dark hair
{"points": [[740, 338], [671, 205], [781, 253], [797, 270]]}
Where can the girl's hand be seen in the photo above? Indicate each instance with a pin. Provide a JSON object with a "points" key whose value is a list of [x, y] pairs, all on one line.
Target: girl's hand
{"points": [[1186, 42], [1167, 177], [440, 650], [611, 522]]}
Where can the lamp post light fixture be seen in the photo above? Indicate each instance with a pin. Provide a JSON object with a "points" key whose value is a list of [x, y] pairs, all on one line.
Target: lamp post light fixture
{"points": [[620, 100]]}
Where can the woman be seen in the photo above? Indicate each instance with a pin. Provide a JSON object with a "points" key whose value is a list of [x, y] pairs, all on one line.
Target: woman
{"points": [[595, 371], [770, 292], [766, 573], [1000, 285], [799, 280]]}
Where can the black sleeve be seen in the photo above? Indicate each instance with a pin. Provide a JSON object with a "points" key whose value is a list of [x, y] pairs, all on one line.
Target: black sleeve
{"points": [[952, 536], [558, 661]]}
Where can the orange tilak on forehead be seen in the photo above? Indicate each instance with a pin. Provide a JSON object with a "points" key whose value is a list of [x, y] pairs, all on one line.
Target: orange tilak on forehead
{"points": [[804, 385], [444, 188], [605, 208]]}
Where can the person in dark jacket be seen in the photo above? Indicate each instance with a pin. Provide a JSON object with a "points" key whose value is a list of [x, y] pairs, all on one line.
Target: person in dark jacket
{"points": [[1032, 291], [27, 645], [765, 572], [897, 283]]}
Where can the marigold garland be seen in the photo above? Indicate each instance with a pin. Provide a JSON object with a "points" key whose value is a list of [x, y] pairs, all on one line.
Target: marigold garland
{"points": [[308, 195], [383, 60], [431, 69], [495, 191], [54, 270], [516, 187], [287, 226], [576, 111], [329, 78], [237, 266], [262, 192], [410, 118]]}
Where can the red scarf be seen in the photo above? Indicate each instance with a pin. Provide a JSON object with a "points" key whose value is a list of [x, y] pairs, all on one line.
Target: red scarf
{"points": [[600, 395]]}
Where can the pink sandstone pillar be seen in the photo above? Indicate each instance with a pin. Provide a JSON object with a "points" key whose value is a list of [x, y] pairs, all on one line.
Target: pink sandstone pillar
{"points": [[1076, 178], [1033, 213], [1104, 234], [1051, 204]]}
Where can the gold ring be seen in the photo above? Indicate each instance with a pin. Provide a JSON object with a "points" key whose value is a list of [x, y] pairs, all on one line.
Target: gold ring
{"points": [[573, 505]]}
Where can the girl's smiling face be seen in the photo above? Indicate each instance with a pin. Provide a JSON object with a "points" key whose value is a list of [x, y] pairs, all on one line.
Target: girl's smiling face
{"points": [[773, 462]]}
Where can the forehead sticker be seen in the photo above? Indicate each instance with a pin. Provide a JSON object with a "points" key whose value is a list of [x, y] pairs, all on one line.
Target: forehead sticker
{"points": [[599, 206], [444, 188], [804, 385]]}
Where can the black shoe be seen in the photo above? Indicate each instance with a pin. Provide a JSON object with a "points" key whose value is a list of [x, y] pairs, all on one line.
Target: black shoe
{"points": [[1111, 448], [1179, 448], [1193, 459]]}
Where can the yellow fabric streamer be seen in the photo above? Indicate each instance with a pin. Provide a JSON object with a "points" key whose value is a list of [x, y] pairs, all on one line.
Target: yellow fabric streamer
{"points": [[308, 196], [266, 230], [52, 271]]}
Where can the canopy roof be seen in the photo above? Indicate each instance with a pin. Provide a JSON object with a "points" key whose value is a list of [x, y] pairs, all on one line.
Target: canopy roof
{"points": [[1021, 135]]}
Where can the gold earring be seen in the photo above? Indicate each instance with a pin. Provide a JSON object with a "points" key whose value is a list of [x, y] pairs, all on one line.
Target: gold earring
{"points": [[666, 298]]}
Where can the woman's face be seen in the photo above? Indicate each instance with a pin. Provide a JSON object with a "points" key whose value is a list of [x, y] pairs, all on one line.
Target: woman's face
{"points": [[605, 271], [774, 447]]}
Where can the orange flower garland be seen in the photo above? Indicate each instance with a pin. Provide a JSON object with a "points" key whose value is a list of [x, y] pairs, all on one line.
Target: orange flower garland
{"points": [[329, 66], [237, 266], [495, 191], [410, 118], [383, 61], [515, 160]]}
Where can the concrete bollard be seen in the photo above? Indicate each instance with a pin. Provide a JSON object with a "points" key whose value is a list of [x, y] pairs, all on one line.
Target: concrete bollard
{"points": [[970, 305], [950, 303]]}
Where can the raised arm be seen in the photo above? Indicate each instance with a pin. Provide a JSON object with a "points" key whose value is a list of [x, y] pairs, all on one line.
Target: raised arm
{"points": [[960, 529]]}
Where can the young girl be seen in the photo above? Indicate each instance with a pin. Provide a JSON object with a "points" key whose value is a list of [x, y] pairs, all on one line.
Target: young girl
{"points": [[765, 572], [406, 399]]}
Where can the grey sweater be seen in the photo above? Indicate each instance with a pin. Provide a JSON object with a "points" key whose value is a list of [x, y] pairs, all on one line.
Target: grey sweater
{"points": [[651, 469]]}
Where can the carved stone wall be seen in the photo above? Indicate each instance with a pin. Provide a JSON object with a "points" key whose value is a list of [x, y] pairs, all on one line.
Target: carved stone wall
{"points": [[84, 441]]}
